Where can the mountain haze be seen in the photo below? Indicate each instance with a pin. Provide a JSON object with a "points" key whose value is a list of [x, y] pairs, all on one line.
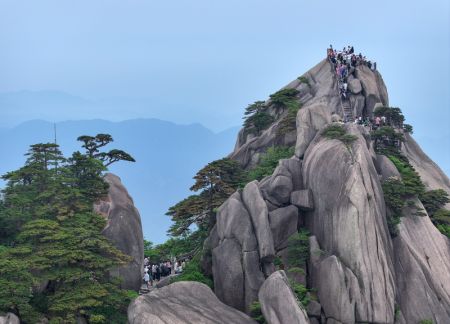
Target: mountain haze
{"points": [[167, 157]]}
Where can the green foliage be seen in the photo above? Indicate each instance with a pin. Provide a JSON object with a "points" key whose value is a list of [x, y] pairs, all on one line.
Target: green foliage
{"points": [[298, 249], [394, 116], [304, 80], [256, 313], [257, 118], [394, 191], [92, 144], [426, 321], [193, 272], [408, 128], [444, 229], [301, 293], [268, 163], [215, 183], [337, 131], [387, 140], [434, 200], [285, 98], [56, 238], [410, 178], [289, 122]]}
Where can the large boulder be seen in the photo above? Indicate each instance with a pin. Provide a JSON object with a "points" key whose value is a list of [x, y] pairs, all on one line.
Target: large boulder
{"points": [[124, 230], [257, 208], [373, 86], [430, 173], [228, 274], [278, 302], [349, 221], [235, 257], [9, 318], [422, 264], [283, 223], [386, 168], [183, 303]]}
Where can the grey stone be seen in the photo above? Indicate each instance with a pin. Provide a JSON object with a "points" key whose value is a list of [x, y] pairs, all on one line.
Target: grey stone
{"points": [[294, 165], [386, 168], [430, 173], [283, 223], [372, 88], [233, 221], [253, 278], [422, 264], [228, 274], [259, 214], [354, 85], [310, 120], [9, 318], [280, 188], [333, 321], [349, 221], [314, 309], [358, 102], [278, 303], [182, 303], [303, 199], [313, 320], [124, 230]]}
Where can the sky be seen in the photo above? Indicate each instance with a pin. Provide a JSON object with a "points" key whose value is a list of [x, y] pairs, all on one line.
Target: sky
{"points": [[204, 61]]}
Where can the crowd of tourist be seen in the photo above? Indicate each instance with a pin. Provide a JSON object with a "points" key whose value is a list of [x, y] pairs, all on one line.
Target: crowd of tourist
{"points": [[153, 272], [345, 62]]}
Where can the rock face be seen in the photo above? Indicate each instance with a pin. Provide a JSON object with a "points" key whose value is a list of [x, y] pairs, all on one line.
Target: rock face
{"points": [[9, 318], [124, 230], [278, 303], [183, 303], [360, 273]]}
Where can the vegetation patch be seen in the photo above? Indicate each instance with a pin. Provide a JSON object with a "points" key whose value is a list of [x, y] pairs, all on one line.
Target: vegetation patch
{"points": [[434, 201], [338, 132], [50, 233], [285, 98], [387, 140], [301, 292], [289, 122], [256, 313], [304, 80], [193, 272], [257, 118], [268, 163]]}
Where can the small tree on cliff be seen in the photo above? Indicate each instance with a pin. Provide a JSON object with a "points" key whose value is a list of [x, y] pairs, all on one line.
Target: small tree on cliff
{"points": [[215, 183], [92, 144], [54, 236]]}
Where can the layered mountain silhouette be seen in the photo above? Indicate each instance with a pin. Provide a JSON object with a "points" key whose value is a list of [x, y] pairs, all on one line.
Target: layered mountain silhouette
{"points": [[167, 157]]}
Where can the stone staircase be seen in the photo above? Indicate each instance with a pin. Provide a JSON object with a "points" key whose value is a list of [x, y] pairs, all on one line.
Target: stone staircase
{"points": [[347, 110]]}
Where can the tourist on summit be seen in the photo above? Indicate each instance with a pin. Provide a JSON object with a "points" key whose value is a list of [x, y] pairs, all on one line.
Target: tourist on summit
{"points": [[154, 271], [147, 279], [374, 66]]}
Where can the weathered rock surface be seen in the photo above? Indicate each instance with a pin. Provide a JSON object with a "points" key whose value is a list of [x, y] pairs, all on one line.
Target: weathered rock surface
{"points": [[9, 318], [235, 255], [228, 273], [283, 223], [422, 264], [430, 173], [259, 214], [303, 199], [349, 222], [124, 230], [386, 168], [278, 303], [359, 271], [183, 303]]}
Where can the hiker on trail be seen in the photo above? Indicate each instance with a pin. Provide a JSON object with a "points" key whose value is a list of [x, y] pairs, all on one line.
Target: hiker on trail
{"points": [[147, 279], [154, 271], [377, 121], [374, 66], [145, 261]]}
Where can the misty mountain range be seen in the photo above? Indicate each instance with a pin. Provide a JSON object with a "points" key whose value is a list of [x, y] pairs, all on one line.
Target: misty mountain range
{"points": [[167, 157]]}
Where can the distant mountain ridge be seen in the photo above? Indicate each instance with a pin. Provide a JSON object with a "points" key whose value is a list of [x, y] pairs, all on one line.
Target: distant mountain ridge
{"points": [[167, 157]]}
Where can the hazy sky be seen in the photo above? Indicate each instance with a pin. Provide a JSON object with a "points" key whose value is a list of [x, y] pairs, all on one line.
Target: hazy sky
{"points": [[205, 60]]}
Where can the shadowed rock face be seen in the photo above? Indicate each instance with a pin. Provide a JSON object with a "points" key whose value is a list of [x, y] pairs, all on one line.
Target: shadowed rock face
{"points": [[181, 303], [359, 272], [124, 230]]}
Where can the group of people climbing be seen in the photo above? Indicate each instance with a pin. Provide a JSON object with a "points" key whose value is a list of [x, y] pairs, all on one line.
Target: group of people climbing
{"points": [[153, 272], [344, 63], [372, 124]]}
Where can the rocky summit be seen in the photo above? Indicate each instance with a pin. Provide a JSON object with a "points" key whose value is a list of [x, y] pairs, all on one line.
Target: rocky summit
{"points": [[364, 258]]}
